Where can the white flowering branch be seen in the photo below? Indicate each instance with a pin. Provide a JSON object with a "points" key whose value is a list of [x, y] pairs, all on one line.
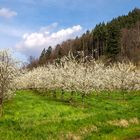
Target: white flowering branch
{"points": [[8, 71]]}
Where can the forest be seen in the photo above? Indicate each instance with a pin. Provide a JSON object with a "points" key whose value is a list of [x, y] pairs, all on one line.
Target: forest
{"points": [[116, 40]]}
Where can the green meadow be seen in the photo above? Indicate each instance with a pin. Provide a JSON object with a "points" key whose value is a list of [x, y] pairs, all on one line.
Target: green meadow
{"points": [[31, 116]]}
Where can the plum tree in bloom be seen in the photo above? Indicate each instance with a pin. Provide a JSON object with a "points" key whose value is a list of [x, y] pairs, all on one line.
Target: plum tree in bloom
{"points": [[8, 71], [70, 75]]}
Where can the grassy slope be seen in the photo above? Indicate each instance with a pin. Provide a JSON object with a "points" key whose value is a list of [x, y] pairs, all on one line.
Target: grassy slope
{"points": [[32, 117]]}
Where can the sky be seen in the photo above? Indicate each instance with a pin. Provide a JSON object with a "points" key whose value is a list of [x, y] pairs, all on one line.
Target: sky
{"points": [[28, 26]]}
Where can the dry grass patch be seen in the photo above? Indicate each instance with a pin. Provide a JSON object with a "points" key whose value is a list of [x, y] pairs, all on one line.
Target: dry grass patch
{"points": [[88, 129], [123, 122], [69, 136], [134, 121], [79, 134], [120, 123]]}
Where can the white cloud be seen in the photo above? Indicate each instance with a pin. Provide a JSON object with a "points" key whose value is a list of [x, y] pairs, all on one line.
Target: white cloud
{"points": [[7, 13], [33, 43]]}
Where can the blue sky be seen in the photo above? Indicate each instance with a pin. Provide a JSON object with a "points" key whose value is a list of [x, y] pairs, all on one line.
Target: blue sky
{"points": [[27, 26]]}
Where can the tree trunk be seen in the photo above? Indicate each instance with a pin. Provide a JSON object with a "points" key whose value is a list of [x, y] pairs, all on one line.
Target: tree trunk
{"points": [[1, 106]]}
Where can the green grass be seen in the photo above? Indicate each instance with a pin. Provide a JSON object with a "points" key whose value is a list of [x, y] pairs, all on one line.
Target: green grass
{"points": [[30, 116]]}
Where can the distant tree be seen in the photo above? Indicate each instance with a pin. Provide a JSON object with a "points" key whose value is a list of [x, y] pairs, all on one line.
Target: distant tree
{"points": [[32, 62], [100, 37], [42, 57], [130, 43], [113, 41], [48, 53]]}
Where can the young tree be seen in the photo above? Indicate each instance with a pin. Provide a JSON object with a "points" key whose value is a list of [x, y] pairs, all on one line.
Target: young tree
{"points": [[8, 71]]}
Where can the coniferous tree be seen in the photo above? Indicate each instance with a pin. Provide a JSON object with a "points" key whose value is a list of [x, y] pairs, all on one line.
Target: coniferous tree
{"points": [[42, 57], [48, 52], [113, 41]]}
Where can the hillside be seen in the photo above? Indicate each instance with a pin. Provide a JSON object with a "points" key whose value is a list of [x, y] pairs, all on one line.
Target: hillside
{"points": [[29, 116], [114, 40]]}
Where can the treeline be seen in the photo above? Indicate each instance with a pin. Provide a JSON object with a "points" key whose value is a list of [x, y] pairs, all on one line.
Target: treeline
{"points": [[115, 40]]}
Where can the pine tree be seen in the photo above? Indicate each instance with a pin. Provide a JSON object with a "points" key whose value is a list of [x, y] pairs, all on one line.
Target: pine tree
{"points": [[113, 41], [48, 53], [42, 57]]}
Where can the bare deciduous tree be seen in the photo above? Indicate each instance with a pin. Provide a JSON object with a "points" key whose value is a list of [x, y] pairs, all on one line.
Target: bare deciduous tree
{"points": [[130, 43]]}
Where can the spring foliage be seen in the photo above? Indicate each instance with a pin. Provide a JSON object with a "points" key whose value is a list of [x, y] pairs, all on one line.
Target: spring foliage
{"points": [[70, 75]]}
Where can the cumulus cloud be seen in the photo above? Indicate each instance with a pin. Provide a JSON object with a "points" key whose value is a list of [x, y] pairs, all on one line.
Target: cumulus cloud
{"points": [[7, 13], [33, 43]]}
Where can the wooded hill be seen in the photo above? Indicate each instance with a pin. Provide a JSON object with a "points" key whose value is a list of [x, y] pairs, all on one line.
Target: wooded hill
{"points": [[116, 40]]}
